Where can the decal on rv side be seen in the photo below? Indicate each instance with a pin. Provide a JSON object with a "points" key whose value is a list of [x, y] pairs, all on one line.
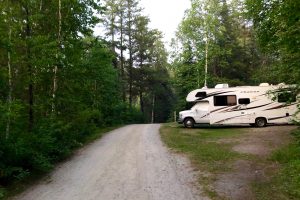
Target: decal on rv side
{"points": [[270, 119], [281, 106], [213, 94]]}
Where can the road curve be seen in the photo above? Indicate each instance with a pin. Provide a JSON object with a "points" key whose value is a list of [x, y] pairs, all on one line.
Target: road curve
{"points": [[130, 163]]}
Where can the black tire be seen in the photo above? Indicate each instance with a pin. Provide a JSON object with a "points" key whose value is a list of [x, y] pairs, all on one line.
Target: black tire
{"points": [[260, 122], [189, 123], [253, 125]]}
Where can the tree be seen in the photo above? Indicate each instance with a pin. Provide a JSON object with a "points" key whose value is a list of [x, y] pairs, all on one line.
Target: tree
{"points": [[216, 37], [277, 27], [132, 9]]}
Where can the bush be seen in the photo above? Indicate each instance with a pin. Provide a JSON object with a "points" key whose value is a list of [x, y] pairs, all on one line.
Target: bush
{"points": [[122, 114], [53, 139], [2, 193]]}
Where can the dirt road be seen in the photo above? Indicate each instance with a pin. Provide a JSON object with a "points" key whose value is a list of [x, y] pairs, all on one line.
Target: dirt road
{"points": [[129, 163], [257, 169]]}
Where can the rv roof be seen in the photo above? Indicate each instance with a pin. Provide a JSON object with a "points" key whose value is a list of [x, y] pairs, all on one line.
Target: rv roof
{"points": [[192, 96]]}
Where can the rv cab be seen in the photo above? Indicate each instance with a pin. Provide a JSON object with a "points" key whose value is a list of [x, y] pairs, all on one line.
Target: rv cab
{"points": [[198, 113]]}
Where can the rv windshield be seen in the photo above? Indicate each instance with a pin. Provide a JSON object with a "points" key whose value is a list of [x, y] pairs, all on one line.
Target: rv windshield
{"points": [[202, 106]]}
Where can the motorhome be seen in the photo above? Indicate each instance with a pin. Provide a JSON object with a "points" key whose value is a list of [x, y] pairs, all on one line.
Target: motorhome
{"points": [[254, 105]]}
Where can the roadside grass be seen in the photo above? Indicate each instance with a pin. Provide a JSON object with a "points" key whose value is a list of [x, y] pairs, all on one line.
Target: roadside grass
{"points": [[201, 145], [285, 182], [210, 151], [19, 186]]}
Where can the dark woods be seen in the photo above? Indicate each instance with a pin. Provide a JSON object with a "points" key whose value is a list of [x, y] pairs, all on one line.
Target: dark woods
{"points": [[59, 83]]}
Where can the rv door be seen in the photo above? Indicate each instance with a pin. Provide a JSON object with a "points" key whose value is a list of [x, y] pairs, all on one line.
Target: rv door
{"points": [[244, 112]]}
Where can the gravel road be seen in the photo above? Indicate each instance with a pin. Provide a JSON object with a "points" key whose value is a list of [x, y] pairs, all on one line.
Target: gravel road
{"points": [[130, 163]]}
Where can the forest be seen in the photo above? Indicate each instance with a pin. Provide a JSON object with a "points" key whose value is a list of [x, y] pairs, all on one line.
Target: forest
{"points": [[59, 83]]}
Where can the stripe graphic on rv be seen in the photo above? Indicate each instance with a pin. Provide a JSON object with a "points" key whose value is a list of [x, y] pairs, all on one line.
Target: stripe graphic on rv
{"points": [[270, 119], [281, 106], [223, 120], [235, 108], [220, 109], [205, 115], [231, 109], [213, 94], [275, 91], [224, 109]]}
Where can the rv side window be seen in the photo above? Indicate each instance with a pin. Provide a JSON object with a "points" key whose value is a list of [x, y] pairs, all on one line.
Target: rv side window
{"points": [[201, 94], [244, 101], [286, 97], [228, 100]]}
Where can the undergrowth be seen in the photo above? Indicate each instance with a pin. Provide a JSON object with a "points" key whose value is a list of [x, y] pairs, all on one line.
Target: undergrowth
{"points": [[285, 184]]}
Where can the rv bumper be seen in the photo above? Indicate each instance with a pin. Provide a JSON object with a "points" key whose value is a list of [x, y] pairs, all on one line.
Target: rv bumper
{"points": [[180, 119]]}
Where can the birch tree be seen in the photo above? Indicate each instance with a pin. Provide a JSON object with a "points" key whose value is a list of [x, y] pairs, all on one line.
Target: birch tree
{"points": [[59, 43]]}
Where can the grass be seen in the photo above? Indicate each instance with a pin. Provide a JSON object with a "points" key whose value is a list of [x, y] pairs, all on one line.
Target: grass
{"points": [[285, 184], [210, 152], [201, 145]]}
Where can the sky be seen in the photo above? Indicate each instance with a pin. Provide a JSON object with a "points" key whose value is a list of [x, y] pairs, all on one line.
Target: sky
{"points": [[165, 15]]}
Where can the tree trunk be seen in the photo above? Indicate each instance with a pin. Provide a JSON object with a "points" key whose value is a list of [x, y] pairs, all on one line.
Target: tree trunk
{"points": [[95, 95], [206, 61], [29, 67], [122, 58], [54, 88], [55, 71], [141, 101], [9, 99], [112, 32], [153, 107], [41, 5], [130, 54], [130, 71]]}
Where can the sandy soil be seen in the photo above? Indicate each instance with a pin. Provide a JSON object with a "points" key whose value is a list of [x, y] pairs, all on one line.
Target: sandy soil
{"points": [[260, 143], [129, 163]]}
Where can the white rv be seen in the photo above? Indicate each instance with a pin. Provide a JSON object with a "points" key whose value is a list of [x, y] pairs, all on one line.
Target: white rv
{"points": [[254, 105]]}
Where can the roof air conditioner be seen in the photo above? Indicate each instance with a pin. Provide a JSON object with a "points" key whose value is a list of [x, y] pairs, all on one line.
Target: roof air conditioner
{"points": [[223, 85], [264, 84]]}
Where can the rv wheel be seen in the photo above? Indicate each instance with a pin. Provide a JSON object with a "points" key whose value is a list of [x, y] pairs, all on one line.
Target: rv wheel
{"points": [[189, 122], [260, 122]]}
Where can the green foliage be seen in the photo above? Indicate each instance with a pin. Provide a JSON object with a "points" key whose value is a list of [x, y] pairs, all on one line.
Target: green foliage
{"points": [[64, 86], [277, 27], [2, 193], [218, 34], [122, 114], [185, 80], [141, 59]]}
